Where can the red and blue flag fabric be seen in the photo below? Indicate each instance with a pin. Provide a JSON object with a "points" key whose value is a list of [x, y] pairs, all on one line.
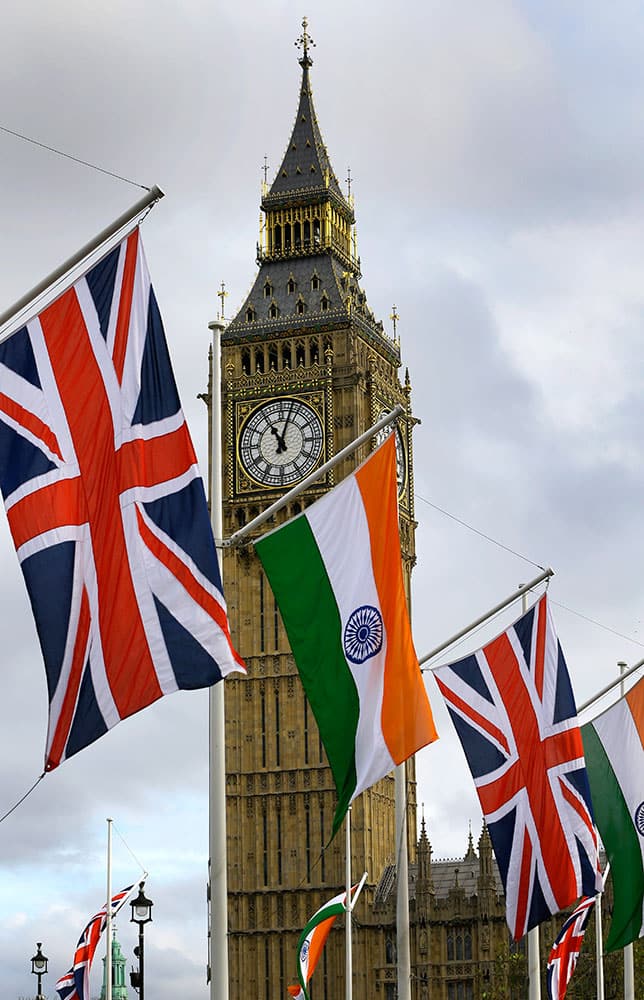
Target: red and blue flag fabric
{"points": [[106, 505], [514, 711], [74, 985], [565, 951]]}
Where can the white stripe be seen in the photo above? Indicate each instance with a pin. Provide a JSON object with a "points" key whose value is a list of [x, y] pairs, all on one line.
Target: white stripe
{"points": [[146, 494], [56, 417], [137, 329], [340, 527], [143, 571], [67, 533], [621, 740]]}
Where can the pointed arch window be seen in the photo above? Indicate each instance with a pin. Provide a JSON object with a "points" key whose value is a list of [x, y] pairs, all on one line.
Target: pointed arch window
{"points": [[273, 311], [268, 289], [324, 303], [307, 233], [315, 283], [277, 237], [251, 315], [290, 285], [301, 305]]}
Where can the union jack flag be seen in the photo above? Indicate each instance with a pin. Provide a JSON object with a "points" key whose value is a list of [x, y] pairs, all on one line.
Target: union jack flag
{"points": [[565, 951], [74, 985], [106, 506], [514, 711]]}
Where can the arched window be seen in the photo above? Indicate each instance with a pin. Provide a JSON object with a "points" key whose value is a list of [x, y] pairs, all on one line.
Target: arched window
{"points": [[307, 233], [250, 314], [297, 235], [315, 283], [324, 303], [290, 286], [277, 237], [273, 311], [301, 305], [268, 289]]}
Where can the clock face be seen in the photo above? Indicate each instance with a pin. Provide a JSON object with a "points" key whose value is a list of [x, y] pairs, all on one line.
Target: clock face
{"points": [[401, 463], [281, 442]]}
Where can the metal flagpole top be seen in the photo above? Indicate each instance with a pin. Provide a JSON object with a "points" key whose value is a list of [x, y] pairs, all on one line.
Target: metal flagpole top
{"points": [[153, 195]]}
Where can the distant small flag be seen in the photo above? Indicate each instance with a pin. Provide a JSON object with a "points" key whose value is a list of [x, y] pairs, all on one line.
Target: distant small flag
{"points": [[74, 985], [313, 937], [565, 950]]}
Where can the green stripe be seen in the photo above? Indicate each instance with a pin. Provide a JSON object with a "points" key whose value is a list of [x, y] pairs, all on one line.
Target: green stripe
{"points": [[298, 578], [621, 841]]}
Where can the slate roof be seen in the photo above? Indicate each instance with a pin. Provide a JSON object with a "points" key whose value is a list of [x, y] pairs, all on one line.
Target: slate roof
{"points": [[443, 875]]}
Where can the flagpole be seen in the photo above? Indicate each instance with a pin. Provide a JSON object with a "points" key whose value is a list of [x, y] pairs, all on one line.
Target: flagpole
{"points": [[348, 905], [153, 195], [599, 945], [217, 729], [523, 590], [534, 958], [238, 536], [629, 967], [402, 886], [627, 671], [108, 925]]}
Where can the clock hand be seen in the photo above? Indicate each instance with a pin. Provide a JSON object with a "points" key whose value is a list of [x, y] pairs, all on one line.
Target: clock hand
{"points": [[281, 443]]}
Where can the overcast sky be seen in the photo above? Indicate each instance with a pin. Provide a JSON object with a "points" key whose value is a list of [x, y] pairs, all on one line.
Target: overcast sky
{"points": [[497, 159]]}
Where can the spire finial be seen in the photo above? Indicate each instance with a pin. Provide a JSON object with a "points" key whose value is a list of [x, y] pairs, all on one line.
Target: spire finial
{"points": [[222, 294], [349, 182], [303, 42], [394, 319], [265, 169]]}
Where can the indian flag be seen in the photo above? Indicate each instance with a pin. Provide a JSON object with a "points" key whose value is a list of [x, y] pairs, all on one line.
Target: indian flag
{"points": [[313, 937], [614, 751], [336, 573]]}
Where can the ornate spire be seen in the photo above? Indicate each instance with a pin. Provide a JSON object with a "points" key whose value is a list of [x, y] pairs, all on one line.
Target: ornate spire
{"points": [[306, 168], [303, 43]]}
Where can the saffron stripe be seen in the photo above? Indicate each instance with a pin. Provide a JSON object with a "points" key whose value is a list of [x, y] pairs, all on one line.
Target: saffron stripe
{"points": [[406, 718]]}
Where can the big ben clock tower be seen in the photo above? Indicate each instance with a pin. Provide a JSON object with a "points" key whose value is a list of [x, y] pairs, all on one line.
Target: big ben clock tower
{"points": [[306, 368]]}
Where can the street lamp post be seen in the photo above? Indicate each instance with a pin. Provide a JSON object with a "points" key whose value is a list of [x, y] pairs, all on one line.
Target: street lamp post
{"points": [[39, 968], [141, 915]]}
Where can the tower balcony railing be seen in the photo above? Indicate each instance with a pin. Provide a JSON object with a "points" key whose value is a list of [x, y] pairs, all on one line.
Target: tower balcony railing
{"points": [[308, 248]]}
